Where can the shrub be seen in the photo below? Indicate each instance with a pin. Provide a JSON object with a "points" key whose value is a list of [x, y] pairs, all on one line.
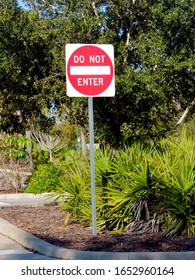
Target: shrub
{"points": [[147, 188], [39, 156], [74, 190], [44, 179], [176, 176]]}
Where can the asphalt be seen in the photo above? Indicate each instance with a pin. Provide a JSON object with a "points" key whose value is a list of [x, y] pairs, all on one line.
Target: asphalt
{"points": [[16, 244]]}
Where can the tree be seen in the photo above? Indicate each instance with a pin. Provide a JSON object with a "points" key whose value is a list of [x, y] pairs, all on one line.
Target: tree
{"points": [[154, 68], [49, 143], [25, 59], [154, 63]]}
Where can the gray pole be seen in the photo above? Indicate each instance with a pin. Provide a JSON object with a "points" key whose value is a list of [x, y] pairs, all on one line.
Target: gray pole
{"points": [[92, 165]]}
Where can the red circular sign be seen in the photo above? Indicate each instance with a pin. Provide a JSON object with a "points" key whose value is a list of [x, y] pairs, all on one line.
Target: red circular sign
{"points": [[90, 70]]}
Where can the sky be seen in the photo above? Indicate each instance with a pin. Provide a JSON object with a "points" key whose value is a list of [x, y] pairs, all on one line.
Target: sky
{"points": [[21, 4]]}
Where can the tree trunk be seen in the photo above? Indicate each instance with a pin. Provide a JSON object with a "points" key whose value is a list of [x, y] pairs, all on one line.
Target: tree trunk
{"points": [[50, 149], [185, 112]]}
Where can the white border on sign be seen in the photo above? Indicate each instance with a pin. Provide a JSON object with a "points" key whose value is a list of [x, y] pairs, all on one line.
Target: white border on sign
{"points": [[70, 90]]}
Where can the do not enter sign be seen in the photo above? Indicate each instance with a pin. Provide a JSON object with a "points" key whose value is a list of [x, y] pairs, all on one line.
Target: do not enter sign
{"points": [[90, 70]]}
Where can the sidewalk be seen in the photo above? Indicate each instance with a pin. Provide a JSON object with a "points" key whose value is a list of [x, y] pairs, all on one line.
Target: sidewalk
{"points": [[9, 248], [18, 244]]}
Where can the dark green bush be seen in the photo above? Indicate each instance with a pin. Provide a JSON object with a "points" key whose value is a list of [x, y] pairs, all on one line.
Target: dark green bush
{"points": [[44, 179]]}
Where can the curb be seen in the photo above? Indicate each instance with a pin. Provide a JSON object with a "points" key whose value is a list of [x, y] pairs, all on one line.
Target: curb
{"points": [[42, 247], [26, 199], [16, 196]]}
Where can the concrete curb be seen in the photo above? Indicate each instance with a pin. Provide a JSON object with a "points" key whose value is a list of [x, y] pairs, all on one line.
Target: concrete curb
{"points": [[17, 196], [42, 247], [26, 199]]}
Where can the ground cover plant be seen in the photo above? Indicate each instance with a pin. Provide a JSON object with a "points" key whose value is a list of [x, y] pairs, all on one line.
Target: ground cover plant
{"points": [[147, 188]]}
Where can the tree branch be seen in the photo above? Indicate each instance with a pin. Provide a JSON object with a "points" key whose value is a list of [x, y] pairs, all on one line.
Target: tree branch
{"points": [[94, 8], [185, 112]]}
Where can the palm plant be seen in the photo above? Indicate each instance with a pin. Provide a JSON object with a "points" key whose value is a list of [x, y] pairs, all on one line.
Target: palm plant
{"points": [[176, 176], [179, 197], [74, 191], [131, 192], [138, 188]]}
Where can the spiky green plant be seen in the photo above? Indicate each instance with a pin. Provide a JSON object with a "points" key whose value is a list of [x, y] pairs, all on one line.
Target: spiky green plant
{"points": [[74, 191], [131, 188], [145, 188], [176, 176]]}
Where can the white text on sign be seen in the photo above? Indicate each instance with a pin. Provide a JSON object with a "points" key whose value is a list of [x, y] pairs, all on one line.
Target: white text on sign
{"points": [[92, 59], [90, 82]]}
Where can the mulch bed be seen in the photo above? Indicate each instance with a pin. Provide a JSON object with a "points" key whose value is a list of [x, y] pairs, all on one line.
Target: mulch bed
{"points": [[47, 223]]}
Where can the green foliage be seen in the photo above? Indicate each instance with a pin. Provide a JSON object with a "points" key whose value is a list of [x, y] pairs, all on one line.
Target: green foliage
{"points": [[176, 175], [154, 67], [74, 188], [145, 187], [25, 60], [131, 190], [45, 178], [17, 146], [39, 156], [154, 64], [67, 131]]}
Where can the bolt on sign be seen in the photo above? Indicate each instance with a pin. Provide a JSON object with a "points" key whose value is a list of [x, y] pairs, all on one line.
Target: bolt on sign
{"points": [[90, 70]]}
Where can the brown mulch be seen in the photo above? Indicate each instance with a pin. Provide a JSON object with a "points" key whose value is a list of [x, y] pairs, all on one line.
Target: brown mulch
{"points": [[47, 223]]}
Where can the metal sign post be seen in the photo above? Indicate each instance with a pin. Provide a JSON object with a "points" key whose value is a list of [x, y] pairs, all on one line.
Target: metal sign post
{"points": [[92, 164], [90, 73]]}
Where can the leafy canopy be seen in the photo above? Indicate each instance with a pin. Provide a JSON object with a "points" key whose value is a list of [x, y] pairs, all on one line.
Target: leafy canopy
{"points": [[154, 62]]}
